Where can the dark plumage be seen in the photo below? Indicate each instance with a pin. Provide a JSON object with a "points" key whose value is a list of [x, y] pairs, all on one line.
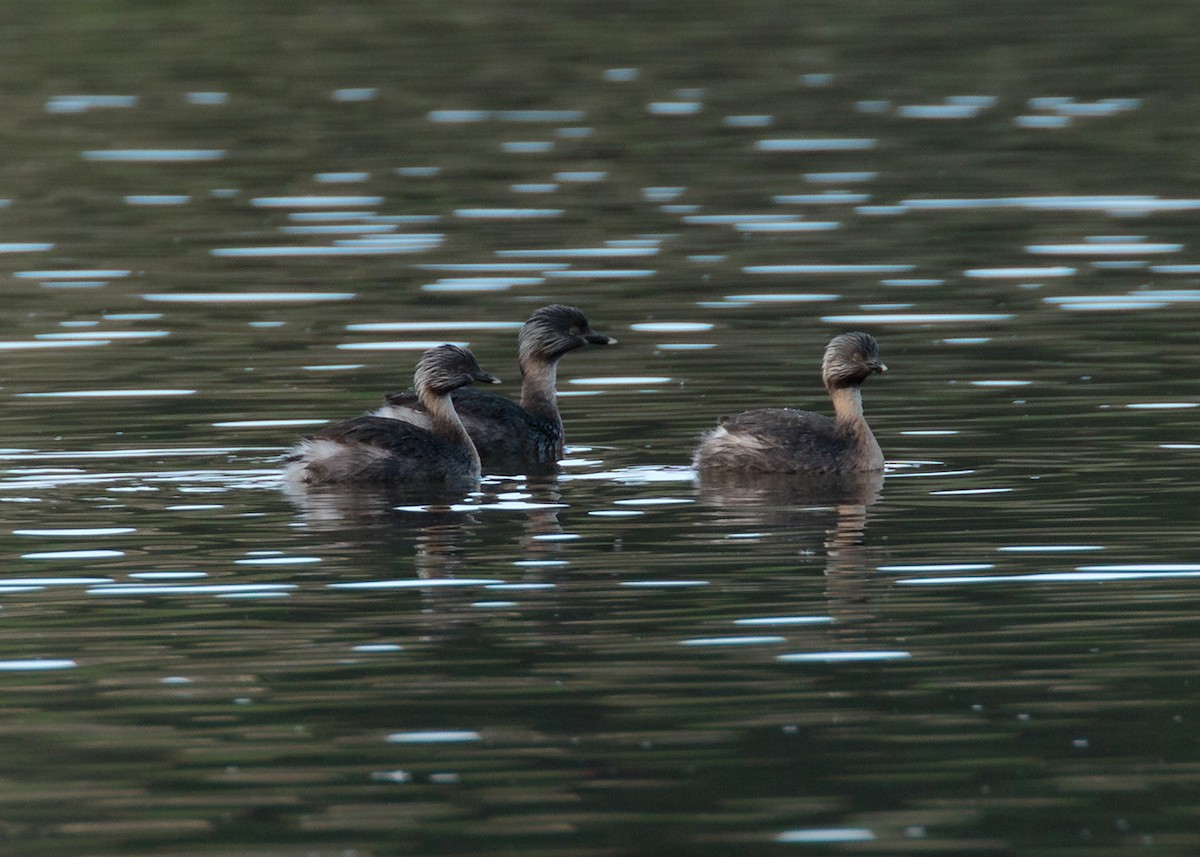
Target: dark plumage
{"points": [[783, 440], [512, 437], [374, 450]]}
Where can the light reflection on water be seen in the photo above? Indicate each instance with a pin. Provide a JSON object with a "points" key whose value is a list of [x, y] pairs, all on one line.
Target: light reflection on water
{"points": [[623, 658], [154, 155]]}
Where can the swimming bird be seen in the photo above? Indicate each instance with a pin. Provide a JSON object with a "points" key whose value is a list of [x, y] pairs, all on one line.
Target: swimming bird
{"points": [[384, 452], [783, 440], [512, 437]]}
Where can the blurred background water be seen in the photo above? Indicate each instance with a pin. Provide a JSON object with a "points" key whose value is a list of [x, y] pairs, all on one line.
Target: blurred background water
{"points": [[224, 224]]}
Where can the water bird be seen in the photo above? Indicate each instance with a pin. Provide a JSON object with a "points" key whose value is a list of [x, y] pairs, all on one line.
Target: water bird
{"points": [[512, 437], [783, 440], [383, 452]]}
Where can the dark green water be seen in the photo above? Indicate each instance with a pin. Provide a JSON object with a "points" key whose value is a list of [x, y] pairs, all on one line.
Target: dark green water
{"points": [[996, 657]]}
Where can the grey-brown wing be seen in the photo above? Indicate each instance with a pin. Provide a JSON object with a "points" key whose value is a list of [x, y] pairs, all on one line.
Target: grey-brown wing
{"points": [[801, 438], [390, 436], [504, 433]]}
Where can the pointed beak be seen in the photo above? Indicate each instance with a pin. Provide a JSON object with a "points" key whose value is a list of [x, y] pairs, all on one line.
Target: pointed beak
{"points": [[599, 338], [485, 377], [878, 367]]}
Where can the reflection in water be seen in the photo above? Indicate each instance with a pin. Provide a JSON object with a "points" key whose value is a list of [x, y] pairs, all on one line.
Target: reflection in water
{"points": [[541, 529], [767, 496], [435, 526], [509, 677], [849, 567], [368, 507], [798, 507]]}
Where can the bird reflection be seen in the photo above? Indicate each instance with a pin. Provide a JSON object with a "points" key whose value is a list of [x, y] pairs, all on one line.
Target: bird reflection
{"points": [[805, 508], [457, 546], [789, 500], [390, 522], [434, 526], [334, 506], [541, 523]]}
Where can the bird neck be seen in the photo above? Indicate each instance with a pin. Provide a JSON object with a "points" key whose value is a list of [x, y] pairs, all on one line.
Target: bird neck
{"points": [[848, 415], [444, 421], [847, 406], [539, 397]]}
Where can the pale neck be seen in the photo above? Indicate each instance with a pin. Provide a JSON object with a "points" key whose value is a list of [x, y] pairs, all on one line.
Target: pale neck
{"points": [[444, 421], [538, 396], [847, 406], [848, 414]]}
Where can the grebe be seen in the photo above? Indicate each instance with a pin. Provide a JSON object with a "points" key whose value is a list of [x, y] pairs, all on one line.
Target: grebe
{"points": [[379, 451], [783, 440], [514, 437]]}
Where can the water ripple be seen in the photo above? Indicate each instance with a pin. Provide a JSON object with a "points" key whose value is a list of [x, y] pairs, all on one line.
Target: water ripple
{"points": [[441, 736], [248, 297], [826, 835], [37, 665], [843, 657], [733, 641], [816, 144], [855, 269], [785, 620], [1085, 574], [917, 318], [154, 155], [433, 583], [190, 589]]}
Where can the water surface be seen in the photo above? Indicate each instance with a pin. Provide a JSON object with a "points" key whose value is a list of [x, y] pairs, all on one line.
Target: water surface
{"points": [[254, 221]]}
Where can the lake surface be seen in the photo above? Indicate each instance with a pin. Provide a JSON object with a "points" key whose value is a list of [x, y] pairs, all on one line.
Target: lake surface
{"points": [[223, 227]]}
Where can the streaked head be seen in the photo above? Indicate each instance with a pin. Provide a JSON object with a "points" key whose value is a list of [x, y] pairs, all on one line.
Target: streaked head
{"points": [[554, 330], [447, 367], [850, 358]]}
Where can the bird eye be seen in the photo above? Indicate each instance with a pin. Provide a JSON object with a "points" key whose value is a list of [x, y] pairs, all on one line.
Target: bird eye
{"points": [[575, 331]]}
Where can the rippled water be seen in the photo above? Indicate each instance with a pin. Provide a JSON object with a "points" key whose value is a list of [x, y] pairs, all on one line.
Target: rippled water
{"points": [[254, 222]]}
